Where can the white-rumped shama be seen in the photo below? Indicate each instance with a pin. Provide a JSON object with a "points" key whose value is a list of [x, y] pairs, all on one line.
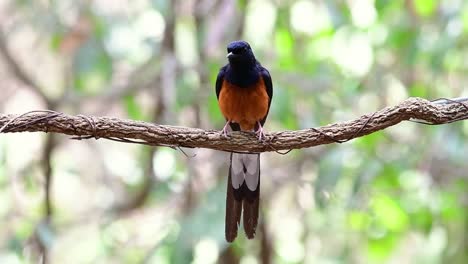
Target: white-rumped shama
{"points": [[244, 90]]}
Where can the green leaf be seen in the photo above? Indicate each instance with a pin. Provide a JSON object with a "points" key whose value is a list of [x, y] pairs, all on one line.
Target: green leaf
{"points": [[379, 249], [133, 108], [358, 220], [55, 41], [422, 219], [464, 17], [162, 255], [425, 8], [388, 179], [418, 90], [453, 59], [389, 214], [450, 207], [284, 46], [369, 142]]}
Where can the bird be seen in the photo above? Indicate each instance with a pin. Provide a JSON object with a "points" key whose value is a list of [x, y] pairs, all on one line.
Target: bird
{"points": [[244, 90]]}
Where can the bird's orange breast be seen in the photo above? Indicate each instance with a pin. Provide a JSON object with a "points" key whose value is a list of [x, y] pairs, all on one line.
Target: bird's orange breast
{"points": [[244, 105]]}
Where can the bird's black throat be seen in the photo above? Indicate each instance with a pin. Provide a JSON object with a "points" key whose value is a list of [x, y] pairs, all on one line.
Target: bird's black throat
{"points": [[242, 73]]}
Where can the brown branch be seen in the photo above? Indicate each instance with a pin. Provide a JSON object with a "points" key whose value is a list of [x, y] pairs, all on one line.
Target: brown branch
{"points": [[82, 127]]}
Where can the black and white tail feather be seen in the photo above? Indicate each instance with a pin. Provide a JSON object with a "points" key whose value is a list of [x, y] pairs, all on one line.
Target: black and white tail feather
{"points": [[243, 194]]}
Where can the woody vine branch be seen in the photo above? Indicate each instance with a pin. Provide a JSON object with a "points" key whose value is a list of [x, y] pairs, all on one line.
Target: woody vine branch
{"points": [[419, 110]]}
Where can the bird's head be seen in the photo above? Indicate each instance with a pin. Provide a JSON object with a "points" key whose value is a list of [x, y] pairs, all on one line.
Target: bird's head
{"points": [[240, 54]]}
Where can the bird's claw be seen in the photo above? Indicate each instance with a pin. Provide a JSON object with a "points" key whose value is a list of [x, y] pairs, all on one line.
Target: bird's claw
{"points": [[260, 133], [224, 132]]}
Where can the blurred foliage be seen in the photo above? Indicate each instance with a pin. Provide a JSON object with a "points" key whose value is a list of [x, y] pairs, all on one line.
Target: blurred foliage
{"points": [[396, 196]]}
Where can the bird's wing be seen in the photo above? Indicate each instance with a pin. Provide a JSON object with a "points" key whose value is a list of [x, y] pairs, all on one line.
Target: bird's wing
{"points": [[269, 88], [219, 80]]}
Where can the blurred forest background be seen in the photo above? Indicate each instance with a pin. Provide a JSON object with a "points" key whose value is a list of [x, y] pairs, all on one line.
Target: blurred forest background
{"points": [[396, 196]]}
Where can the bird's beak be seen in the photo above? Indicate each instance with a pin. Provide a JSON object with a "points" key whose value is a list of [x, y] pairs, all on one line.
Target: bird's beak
{"points": [[230, 55]]}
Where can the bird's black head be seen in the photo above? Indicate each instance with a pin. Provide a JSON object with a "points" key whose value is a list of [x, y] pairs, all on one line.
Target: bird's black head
{"points": [[240, 54]]}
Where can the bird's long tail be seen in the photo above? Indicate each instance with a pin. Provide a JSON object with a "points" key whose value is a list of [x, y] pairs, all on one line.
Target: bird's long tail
{"points": [[243, 192]]}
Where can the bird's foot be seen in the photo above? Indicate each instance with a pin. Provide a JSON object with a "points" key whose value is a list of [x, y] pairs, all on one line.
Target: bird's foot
{"points": [[224, 132], [260, 133]]}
